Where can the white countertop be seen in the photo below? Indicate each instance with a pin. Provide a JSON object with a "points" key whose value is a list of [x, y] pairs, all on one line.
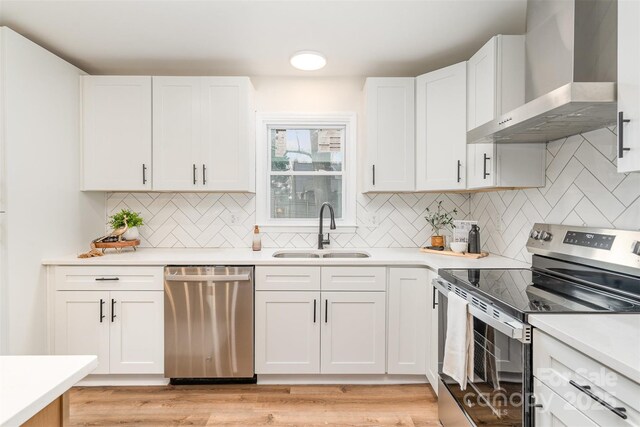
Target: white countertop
{"points": [[612, 339], [233, 256], [30, 383]]}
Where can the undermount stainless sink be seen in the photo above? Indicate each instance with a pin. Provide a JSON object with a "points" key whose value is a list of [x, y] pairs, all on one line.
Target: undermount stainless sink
{"points": [[301, 254], [346, 255], [296, 255]]}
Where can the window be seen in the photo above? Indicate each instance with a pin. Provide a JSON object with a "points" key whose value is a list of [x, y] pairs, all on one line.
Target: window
{"points": [[304, 161]]}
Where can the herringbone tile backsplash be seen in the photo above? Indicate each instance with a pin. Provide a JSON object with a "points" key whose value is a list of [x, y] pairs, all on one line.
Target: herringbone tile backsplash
{"points": [[220, 220], [583, 187]]}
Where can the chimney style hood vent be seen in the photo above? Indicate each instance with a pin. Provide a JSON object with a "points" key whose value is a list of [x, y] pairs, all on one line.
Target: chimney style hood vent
{"points": [[570, 74]]}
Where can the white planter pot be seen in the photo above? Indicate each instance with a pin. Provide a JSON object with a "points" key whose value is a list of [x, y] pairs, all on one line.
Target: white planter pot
{"points": [[131, 234]]}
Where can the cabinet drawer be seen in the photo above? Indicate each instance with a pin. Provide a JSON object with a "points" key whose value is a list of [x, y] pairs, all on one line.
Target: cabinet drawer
{"points": [[354, 279], [287, 278], [554, 410], [566, 370], [109, 278]]}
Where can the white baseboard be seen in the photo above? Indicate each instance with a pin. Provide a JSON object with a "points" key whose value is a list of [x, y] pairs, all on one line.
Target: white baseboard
{"points": [[123, 380], [285, 379]]}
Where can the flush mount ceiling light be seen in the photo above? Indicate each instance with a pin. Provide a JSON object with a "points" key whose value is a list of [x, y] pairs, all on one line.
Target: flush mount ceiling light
{"points": [[308, 60]]}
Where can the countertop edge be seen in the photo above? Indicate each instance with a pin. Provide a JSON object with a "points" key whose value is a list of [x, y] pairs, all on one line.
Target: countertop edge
{"points": [[591, 351], [56, 391]]}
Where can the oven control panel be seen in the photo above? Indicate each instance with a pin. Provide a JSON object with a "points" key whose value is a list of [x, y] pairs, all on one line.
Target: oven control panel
{"points": [[589, 240]]}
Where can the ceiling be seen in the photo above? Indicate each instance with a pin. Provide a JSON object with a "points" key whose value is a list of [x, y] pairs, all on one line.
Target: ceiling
{"points": [[257, 37]]}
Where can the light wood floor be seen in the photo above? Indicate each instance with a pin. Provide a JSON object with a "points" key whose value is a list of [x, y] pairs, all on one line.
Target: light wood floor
{"points": [[253, 405]]}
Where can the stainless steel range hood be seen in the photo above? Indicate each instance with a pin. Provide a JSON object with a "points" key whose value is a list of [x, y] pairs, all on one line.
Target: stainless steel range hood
{"points": [[570, 74]]}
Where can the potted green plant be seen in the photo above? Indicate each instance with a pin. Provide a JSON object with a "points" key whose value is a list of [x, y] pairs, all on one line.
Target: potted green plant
{"points": [[132, 220], [440, 219]]}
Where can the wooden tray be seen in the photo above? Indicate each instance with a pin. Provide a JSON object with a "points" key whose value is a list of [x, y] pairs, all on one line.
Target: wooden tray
{"points": [[451, 253], [118, 245]]}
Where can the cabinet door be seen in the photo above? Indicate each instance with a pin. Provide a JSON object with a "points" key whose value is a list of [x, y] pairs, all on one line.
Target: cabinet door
{"points": [[441, 139], [227, 148], [555, 411], [432, 333], [353, 333], [390, 116], [408, 315], [137, 332], [629, 85], [481, 85], [287, 332], [116, 133], [177, 133], [481, 165], [82, 325]]}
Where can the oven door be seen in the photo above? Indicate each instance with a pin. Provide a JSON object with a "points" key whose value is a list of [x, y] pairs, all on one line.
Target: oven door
{"points": [[498, 394]]}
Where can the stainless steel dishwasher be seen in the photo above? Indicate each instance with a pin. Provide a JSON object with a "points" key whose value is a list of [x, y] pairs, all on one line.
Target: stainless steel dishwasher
{"points": [[208, 323]]}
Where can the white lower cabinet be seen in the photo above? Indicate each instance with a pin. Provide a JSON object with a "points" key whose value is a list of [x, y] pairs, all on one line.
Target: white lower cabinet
{"points": [[136, 335], [301, 329], [408, 321], [555, 411], [82, 325], [115, 313], [353, 333], [287, 332], [432, 332]]}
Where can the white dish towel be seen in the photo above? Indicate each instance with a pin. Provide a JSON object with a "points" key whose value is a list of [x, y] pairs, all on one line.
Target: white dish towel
{"points": [[458, 346]]}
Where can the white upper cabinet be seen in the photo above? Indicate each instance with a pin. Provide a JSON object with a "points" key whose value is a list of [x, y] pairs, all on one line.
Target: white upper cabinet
{"points": [[116, 133], [227, 134], [441, 137], [495, 86], [390, 134], [495, 79], [506, 165], [628, 86], [202, 134], [177, 117]]}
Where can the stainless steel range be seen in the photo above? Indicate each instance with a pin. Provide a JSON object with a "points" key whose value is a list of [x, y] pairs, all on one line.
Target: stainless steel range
{"points": [[574, 270]]}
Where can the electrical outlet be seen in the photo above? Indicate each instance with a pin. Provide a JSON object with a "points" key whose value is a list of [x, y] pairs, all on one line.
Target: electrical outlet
{"points": [[373, 219], [499, 223], [234, 218]]}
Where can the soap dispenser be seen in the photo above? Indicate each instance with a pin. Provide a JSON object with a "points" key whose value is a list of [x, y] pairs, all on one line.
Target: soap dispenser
{"points": [[257, 239]]}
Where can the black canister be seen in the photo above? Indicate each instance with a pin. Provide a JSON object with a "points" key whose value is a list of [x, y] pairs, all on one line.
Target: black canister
{"points": [[474, 239]]}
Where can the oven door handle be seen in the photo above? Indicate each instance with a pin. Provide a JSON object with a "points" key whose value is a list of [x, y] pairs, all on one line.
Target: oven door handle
{"points": [[512, 329]]}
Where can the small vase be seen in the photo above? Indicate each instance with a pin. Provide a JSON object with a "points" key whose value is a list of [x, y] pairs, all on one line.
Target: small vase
{"points": [[437, 241], [131, 234]]}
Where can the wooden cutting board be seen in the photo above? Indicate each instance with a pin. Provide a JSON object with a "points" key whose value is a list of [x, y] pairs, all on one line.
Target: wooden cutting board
{"points": [[451, 253]]}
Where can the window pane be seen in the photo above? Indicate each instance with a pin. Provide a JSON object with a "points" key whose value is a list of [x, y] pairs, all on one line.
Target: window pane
{"points": [[301, 196], [307, 149]]}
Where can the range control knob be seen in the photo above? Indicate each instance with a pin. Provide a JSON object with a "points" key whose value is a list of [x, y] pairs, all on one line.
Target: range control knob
{"points": [[636, 247], [534, 234], [546, 236]]}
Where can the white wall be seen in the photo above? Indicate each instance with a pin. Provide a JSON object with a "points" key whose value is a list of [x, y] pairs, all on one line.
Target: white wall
{"points": [[47, 215]]}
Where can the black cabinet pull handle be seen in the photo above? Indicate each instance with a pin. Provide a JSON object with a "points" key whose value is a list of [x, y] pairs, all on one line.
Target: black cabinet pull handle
{"points": [[433, 300], [459, 164], [587, 390], [113, 309], [194, 174], [102, 316], [314, 310], [621, 122], [485, 173], [204, 174], [107, 279], [326, 311], [144, 174], [374, 174]]}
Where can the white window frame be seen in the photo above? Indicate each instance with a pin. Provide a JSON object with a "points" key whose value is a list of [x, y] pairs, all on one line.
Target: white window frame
{"points": [[265, 121]]}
